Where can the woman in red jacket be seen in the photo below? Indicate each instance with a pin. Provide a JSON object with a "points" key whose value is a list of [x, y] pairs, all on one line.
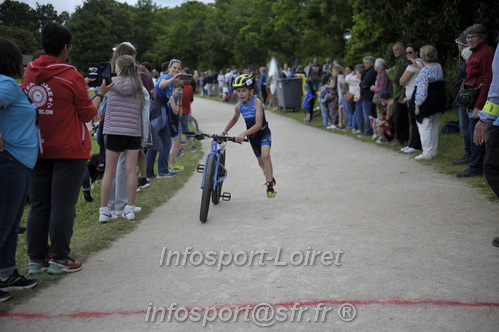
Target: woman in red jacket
{"points": [[60, 94]]}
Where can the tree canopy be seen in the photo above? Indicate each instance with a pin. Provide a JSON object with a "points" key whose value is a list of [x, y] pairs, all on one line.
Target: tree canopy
{"points": [[247, 33]]}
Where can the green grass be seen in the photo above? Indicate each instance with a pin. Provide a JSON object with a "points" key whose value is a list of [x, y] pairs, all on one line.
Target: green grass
{"points": [[91, 236]]}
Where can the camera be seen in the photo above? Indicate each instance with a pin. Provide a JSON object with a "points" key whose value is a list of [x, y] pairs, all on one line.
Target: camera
{"points": [[407, 62], [186, 77], [99, 71]]}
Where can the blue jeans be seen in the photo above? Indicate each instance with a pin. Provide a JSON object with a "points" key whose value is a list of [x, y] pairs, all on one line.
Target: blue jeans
{"points": [[464, 127], [325, 114], [14, 181], [367, 108], [348, 112], [477, 151], [166, 140], [357, 116]]}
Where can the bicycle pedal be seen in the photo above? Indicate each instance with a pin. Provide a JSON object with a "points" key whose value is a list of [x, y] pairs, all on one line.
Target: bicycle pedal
{"points": [[226, 196], [200, 168]]}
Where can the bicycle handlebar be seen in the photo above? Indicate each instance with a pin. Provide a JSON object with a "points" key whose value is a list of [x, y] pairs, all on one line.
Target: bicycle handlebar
{"points": [[200, 136]]}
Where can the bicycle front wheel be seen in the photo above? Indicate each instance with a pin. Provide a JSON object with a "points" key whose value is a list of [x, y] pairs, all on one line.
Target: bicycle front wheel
{"points": [[209, 174], [217, 193]]}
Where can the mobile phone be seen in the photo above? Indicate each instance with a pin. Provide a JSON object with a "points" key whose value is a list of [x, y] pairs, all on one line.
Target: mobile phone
{"points": [[99, 71], [186, 77]]}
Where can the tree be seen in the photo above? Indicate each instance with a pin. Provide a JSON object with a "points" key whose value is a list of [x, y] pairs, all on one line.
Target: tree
{"points": [[96, 27]]}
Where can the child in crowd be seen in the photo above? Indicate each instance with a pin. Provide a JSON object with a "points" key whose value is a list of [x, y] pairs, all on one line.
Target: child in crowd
{"points": [[383, 125], [323, 96], [123, 127], [257, 128], [308, 103], [174, 111]]}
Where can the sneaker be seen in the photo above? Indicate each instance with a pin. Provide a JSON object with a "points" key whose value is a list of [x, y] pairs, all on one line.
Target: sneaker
{"points": [[381, 141], [411, 150], [469, 174], [184, 143], [356, 131], [17, 282], [105, 215], [404, 148], [101, 167], [464, 160], [88, 197], [139, 190], [143, 183], [375, 137], [166, 175], [149, 178], [68, 265], [4, 296], [180, 153], [495, 241], [38, 266], [271, 193], [129, 213], [334, 127], [423, 156], [193, 149], [177, 168], [136, 209]]}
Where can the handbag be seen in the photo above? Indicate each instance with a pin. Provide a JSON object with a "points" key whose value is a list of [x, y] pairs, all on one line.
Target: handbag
{"points": [[467, 95], [349, 97]]}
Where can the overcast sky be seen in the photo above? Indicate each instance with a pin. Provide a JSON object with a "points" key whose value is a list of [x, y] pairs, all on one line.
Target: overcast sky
{"points": [[70, 5]]}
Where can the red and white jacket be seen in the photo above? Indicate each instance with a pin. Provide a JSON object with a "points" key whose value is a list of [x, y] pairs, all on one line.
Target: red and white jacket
{"points": [[59, 92]]}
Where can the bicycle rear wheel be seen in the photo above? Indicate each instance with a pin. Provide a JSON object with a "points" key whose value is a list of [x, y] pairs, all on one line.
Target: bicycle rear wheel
{"points": [[217, 193], [209, 173]]}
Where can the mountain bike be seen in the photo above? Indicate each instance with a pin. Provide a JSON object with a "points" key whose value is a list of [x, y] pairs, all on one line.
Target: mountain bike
{"points": [[214, 172]]}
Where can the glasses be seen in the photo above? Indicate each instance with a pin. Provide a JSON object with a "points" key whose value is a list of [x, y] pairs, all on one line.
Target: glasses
{"points": [[472, 37], [70, 46], [408, 52]]}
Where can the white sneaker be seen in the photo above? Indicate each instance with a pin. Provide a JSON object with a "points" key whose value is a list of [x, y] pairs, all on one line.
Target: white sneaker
{"points": [[128, 212], [423, 156], [332, 127], [405, 148], [411, 150], [105, 215], [135, 210]]}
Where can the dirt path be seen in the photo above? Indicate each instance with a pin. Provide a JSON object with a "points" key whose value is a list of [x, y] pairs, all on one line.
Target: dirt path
{"points": [[407, 247]]}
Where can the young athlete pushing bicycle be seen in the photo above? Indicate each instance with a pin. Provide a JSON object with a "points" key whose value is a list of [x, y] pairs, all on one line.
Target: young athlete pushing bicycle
{"points": [[257, 128]]}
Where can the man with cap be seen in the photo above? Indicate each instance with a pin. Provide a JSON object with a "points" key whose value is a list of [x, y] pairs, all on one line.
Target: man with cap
{"points": [[463, 113]]}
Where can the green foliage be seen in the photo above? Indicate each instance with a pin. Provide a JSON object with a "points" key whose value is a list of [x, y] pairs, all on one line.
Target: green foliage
{"points": [[247, 33]]}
